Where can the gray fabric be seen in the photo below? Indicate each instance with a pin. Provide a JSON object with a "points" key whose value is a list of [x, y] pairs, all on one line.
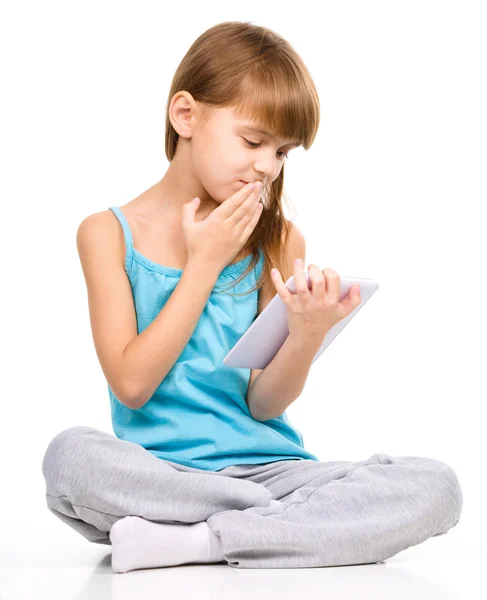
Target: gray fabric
{"points": [[283, 514]]}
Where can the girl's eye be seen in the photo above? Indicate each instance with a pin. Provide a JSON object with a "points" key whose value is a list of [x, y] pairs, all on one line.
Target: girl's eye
{"points": [[254, 145]]}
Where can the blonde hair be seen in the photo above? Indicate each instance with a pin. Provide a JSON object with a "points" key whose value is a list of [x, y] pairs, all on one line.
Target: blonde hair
{"points": [[251, 68]]}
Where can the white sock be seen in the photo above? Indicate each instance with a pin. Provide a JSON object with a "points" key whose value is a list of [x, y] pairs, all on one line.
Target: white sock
{"points": [[141, 544]]}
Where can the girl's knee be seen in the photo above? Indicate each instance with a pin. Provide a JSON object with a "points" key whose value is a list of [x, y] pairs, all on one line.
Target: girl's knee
{"points": [[59, 446]]}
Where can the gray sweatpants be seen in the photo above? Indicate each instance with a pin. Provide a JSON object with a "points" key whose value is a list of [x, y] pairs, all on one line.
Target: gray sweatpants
{"points": [[284, 514]]}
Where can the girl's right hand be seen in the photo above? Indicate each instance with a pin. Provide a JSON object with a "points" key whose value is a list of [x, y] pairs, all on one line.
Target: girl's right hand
{"points": [[219, 238]]}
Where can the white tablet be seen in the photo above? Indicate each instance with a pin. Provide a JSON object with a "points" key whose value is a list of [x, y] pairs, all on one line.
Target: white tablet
{"points": [[262, 340]]}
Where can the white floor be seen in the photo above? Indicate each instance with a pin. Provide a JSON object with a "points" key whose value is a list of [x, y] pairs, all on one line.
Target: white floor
{"points": [[62, 565]]}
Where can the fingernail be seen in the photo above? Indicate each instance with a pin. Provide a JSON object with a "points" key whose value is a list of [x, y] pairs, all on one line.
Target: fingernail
{"points": [[258, 185]]}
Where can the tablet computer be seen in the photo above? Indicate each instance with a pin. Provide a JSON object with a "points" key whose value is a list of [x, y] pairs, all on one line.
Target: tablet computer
{"points": [[268, 332]]}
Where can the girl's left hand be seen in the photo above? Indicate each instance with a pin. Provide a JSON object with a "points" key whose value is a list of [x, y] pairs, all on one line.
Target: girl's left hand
{"points": [[312, 313]]}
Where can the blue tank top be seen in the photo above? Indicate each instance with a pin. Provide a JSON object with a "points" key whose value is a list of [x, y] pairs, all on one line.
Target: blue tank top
{"points": [[198, 416]]}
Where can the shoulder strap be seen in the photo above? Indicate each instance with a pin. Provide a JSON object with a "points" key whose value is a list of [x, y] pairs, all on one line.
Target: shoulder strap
{"points": [[127, 234]]}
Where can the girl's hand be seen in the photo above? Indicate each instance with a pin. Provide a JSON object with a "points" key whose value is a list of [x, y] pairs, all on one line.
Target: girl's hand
{"points": [[312, 313], [217, 240]]}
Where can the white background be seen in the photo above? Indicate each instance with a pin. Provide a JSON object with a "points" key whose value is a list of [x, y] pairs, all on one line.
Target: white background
{"points": [[393, 189]]}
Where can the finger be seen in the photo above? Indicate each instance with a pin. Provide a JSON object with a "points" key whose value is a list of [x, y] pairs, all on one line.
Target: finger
{"points": [[253, 221], [355, 293], [282, 290], [332, 283], [246, 208], [353, 300], [237, 200], [299, 278], [317, 279], [246, 214]]}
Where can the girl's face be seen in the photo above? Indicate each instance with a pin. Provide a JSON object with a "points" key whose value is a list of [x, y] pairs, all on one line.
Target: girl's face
{"points": [[226, 150]]}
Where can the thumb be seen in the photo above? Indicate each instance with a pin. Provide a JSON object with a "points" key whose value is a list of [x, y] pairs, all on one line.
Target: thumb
{"points": [[355, 294], [192, 207], [353, 298]]}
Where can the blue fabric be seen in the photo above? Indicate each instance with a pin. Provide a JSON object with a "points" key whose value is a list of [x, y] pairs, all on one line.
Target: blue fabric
{"points": [[198, 416]]}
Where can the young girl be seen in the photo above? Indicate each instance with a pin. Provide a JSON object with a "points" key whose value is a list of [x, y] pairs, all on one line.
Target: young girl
{"points": [[205, 466]]}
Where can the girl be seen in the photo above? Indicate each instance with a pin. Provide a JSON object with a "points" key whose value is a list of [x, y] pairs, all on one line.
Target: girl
{"points": [[204, 466]]}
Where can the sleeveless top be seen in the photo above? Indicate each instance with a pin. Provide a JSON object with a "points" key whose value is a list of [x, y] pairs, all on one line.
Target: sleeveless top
{"points": [[198, 416]]}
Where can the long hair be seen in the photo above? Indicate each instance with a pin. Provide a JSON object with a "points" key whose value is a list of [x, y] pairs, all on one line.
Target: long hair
{"points": [[256, 71]]}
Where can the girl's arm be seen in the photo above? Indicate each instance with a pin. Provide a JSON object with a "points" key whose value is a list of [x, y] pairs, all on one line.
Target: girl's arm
{"points": [[310, 314], [274, 388], [153, 353], [282, 381], [134, 365]]}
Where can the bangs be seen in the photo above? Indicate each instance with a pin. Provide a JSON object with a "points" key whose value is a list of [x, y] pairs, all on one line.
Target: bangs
{"points": [[285, 106]]}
